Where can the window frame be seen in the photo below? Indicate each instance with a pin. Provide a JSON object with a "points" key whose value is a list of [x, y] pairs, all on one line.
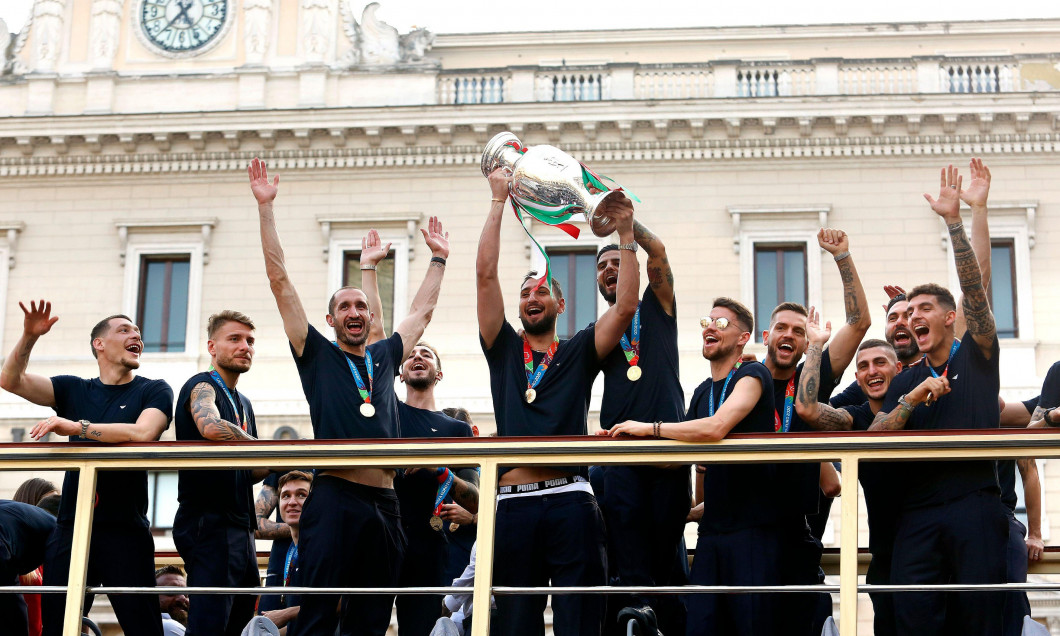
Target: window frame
{"points": [[778, 248], [140, 301], [568, 292], [1014, 281], [350, 255], [134, 256], [338, 246]]}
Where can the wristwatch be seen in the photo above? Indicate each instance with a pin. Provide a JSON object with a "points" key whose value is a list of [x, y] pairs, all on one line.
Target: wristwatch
{"points": [[904, 402], [631, 246], [84, 428]]}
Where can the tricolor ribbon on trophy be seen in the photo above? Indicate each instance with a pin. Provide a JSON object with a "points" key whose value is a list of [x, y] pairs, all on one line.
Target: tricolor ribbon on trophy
{"points": [[550, 186]]}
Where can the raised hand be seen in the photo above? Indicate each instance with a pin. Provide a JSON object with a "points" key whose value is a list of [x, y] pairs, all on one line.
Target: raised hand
{"points": [[500, 181], [263, 191], [833, 241], [892, 291], [620, 209], [372, 249], [948, 205], [38, 320], [979, 187], [436, 238], [815, 334]]}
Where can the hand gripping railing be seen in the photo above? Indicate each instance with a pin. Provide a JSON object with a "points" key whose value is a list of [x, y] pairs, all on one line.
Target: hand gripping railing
{"points": [[492, 453]]}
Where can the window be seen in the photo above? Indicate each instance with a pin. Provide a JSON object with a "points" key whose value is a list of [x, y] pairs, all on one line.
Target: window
{"points": [[351, 275], [161, 499], [1002, 290], [780, 276], [575, 269], [162, 311]]}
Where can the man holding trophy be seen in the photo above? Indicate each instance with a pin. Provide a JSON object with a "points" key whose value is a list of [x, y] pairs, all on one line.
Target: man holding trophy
{"points": [[549, 529]]}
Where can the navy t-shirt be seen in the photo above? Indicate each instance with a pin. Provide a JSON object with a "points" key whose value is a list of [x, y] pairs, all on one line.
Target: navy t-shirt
{"points": [[741, 496], [852, 395], [1050, 396], [225, 492], [877, 480], [971, 404], [807, 475], [416, 491], [278, 552], [657, 395], [24, 531], [562, 403], [329, 387], [121, 495]]}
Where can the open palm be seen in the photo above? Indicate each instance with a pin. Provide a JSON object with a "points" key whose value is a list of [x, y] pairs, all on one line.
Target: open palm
{"points": [[263, 191], [38, 320], [436, 238], [979, 187]]}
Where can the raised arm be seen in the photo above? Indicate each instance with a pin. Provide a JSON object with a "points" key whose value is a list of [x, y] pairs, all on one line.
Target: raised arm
{"points": [[372, 253], [1032, 497], [976, 196], [426, 299], [13, 377], [660, 276], [611, 326], [295, 322], [976, 306], [926, 392], [203, 408], [265, 504], [737, 405], [490, 300], [818, 415], [147, 428], [858, 319]]}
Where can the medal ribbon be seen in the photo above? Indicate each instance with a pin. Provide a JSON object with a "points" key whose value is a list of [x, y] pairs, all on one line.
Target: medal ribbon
{"points": [[445, 482], [632, 349], [953, 350], [534, 377], [292, 557], [724, 387], [789, 407], [224, 387], [366, 393]]}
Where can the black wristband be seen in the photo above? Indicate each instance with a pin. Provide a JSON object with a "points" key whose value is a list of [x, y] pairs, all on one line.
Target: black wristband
{"points": [[1048, 420], [438, 259]]}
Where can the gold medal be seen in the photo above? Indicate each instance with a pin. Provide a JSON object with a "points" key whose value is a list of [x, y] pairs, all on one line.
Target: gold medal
{"points": [[633, 373], [531, 395], [453, 527], [367, 410], [436, 523]]}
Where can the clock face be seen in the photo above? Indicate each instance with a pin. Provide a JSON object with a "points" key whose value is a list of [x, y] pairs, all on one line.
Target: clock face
{"points": [[183, 26]]}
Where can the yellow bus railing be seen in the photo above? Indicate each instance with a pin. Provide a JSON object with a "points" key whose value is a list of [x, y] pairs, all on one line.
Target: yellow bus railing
{"points": [[492, 453]]}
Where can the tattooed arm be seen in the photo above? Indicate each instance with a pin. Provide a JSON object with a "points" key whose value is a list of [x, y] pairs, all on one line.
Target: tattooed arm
{"points": [[266, 502], [660, 276], [818, 415], [203, 407], [930, 389], [465, 493], [858, 320]]}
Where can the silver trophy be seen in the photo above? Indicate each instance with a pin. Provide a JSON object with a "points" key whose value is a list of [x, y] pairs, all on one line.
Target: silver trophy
{"points": [[550, 179]]}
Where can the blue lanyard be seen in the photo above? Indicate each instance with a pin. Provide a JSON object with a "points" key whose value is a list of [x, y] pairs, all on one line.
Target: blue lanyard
{"points": [[953, 350], [235, 409], [443, 490], [292, 557], [724, 387], [366, 394], [632, 350]]}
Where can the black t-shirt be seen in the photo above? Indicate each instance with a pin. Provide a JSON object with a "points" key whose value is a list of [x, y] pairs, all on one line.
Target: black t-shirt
{"points": [[224, 492], [24, 531], [852, 395], [329, 387], [416, 491], [877, 480], [121, 495], [1050, 396], [971, 404], [657, 395], [807, 475], [562, 403], [738, 496]]}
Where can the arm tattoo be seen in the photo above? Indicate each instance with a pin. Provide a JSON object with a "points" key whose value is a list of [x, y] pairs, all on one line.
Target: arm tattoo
{"points": [[1039, 414], [977, 313], [831, 419], [659, 272], [263, 507], [811, 372], [208, 419], [96, 434], [850, 296], [643, 236], [892, 421], [465, 494]]}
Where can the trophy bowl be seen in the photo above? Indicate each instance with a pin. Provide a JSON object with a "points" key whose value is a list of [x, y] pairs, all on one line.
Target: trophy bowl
{"points": [[549, 179]]}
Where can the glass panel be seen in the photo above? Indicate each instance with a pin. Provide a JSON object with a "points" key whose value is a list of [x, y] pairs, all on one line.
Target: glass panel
{"points": [[561, 271], [1002, 289], [766, 288], [384, 275], [794, 276], [152, 304], [585, 293], [178, 306], [163, 505]]}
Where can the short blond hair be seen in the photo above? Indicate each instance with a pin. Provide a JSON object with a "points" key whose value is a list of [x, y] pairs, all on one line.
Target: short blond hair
{"points": [[221, 318]]}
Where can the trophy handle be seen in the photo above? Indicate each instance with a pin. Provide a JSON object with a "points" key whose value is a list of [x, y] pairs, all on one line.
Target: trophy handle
{"points": [[599, 223], [498, 153]]}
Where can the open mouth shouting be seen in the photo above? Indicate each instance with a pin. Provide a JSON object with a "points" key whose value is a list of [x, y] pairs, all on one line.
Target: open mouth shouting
{"points": [[922, 332], [534, 310], [135, 348], [610, 279], [418, 365], [901, 338], [355, 326]]}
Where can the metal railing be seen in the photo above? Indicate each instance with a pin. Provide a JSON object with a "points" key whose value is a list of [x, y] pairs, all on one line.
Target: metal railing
{"points": [[492, 453]]}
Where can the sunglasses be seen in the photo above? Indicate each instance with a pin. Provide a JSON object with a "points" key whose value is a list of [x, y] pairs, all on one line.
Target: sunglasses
{"points": [[721, 323]]}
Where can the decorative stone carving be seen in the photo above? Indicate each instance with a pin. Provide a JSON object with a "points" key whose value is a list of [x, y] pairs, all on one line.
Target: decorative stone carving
{"points": [[106, 27], [257, 18], [47, 33], [5, 41], [376, 43], [316, 29]]}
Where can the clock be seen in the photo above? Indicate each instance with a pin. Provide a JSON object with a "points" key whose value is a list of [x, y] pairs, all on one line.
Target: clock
{"points": [[182, 28]]}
